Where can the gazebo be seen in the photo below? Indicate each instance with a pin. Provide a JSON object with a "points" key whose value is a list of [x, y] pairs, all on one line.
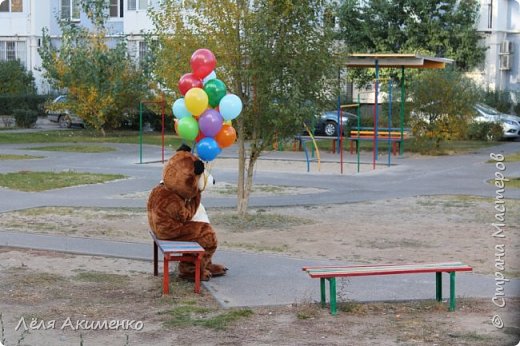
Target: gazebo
{"points": [[378, 61]]}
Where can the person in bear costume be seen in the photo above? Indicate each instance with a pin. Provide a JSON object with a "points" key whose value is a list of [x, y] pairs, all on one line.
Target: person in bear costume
{"points": [[172, 206]]}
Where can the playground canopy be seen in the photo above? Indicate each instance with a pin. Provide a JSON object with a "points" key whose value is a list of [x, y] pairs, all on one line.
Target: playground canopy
{"points": [[396, 60]]}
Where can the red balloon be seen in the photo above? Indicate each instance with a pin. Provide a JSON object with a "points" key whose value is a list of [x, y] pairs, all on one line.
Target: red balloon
{"points": [[188, 81], [202, 62], [199, 136]]}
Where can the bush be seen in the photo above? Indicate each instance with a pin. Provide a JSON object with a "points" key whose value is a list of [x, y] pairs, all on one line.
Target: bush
{"points": [[8, 103], [25, 118], [485, 131]]}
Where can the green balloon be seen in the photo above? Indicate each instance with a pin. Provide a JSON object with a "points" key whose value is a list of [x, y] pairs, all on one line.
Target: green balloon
{"points": [[188, 128], [216, 90]]}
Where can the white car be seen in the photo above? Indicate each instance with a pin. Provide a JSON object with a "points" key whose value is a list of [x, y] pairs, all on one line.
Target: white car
{"points": [[59, 114], [510, 123]]}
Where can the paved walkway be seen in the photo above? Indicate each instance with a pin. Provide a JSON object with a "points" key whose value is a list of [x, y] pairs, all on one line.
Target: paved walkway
{"points": [[275, 280], [258, 279]]}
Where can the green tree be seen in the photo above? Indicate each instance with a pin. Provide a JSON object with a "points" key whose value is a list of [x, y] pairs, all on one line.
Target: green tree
{"points": [[95, 70], [442, 28], [277, 56], [15, 79], [442, 105]]}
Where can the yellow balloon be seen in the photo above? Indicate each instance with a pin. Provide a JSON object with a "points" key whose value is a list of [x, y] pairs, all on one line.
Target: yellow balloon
{"points": [[227, 122], [196, 101]]}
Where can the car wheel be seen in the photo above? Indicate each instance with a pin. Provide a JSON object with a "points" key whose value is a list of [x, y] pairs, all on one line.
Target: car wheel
{"points": [[64, 121], [331, 129]]}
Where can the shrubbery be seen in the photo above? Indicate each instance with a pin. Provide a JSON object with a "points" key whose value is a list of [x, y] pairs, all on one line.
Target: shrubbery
{"points": [[485, 131], [8, 103], [25, 118]]}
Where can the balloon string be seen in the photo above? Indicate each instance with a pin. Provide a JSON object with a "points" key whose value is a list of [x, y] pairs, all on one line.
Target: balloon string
{"points": [[206, 176]]}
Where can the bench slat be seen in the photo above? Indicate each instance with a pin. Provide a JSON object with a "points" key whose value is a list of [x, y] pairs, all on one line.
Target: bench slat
{"points": [[343, 271]]}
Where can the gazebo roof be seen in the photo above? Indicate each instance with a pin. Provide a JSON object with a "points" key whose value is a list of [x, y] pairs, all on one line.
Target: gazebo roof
{"points": [[396, 60]]}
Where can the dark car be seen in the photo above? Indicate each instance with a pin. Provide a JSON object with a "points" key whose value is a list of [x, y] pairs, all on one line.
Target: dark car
{"points": [[327, 123], [59, 113]]}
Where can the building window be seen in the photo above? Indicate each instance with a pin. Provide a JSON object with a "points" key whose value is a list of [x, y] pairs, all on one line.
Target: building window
{"points": [[137, 5], [11, 5], [13, 50], [143, 51], [114, 8], [70, 9]]}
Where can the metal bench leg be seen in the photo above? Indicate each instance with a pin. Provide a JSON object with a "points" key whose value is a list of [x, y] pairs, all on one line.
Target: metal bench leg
{"points": [[452, 291], [322, 292], [197, 273], [438, 285], [166, 275], [155, 260], [332, 284]]}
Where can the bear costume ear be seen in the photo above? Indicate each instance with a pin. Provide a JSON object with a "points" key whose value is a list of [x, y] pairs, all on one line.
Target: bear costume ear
{"points": [[184, 147], [199, 167]]}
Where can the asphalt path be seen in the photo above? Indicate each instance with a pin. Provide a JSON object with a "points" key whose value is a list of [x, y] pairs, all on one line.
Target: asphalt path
{"points": [[409, 176]]}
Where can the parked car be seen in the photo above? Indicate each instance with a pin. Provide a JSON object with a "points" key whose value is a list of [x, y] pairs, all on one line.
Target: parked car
{"points": [[510, 123], [58, 112], [327, 123]]}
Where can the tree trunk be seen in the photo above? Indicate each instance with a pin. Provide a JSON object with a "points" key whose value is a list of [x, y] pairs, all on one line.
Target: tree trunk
{"points": [[242, 201]]}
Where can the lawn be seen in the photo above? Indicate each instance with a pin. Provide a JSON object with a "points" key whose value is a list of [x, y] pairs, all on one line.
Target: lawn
{"points": [[88, 136], [18, 157], [40, 181], [75, 148]]}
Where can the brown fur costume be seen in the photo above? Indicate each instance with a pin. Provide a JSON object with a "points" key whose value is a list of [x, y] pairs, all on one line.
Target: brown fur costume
{"points": [[173, 203]]}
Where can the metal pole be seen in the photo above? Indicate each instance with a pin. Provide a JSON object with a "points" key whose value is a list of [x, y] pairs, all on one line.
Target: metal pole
{"points": [[376, 118], [162, 131], [403, 100], [389, 122], [140, 132], [358, 125]]}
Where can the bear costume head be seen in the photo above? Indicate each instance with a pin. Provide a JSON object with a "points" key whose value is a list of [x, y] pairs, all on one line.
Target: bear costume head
{"points": [[182, 173]]}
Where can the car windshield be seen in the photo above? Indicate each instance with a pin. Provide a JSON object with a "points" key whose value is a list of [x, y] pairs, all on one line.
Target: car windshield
{"points": [[487, 110]]}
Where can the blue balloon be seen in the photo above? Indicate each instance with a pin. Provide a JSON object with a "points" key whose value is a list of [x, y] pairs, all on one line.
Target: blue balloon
{"points": [[230, 106], [208, 149], [179, 109]]}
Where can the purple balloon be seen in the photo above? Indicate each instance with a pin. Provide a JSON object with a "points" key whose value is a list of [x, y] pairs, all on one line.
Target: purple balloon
{"points": [[210, 122]]}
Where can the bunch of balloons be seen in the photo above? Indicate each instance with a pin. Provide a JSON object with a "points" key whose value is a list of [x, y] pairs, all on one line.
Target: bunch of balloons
{"points": [[205, 112]]}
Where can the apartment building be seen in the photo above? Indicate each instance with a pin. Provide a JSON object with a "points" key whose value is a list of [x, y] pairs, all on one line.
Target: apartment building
{"points": [[22, 22], [499, 26]]}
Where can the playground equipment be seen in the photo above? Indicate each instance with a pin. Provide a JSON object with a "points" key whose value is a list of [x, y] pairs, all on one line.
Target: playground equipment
{"points": [[379, 61]]}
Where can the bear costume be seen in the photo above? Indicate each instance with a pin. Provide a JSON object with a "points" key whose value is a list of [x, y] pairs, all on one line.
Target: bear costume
{"points": [[172, 205]]}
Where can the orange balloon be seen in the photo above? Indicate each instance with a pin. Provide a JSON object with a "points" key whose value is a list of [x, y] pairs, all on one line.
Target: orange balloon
{"points": [[226, 136], [176, 125]]}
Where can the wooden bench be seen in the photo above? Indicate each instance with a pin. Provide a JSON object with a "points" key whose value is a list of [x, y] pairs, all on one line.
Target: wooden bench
{"points": [[330, 273], [389, 135], [180, 251]]}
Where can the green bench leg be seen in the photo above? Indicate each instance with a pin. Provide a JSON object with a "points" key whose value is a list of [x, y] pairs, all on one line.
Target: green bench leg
{"points": [[452, 291], [332, 288], [322, 291], [438, 285]]}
